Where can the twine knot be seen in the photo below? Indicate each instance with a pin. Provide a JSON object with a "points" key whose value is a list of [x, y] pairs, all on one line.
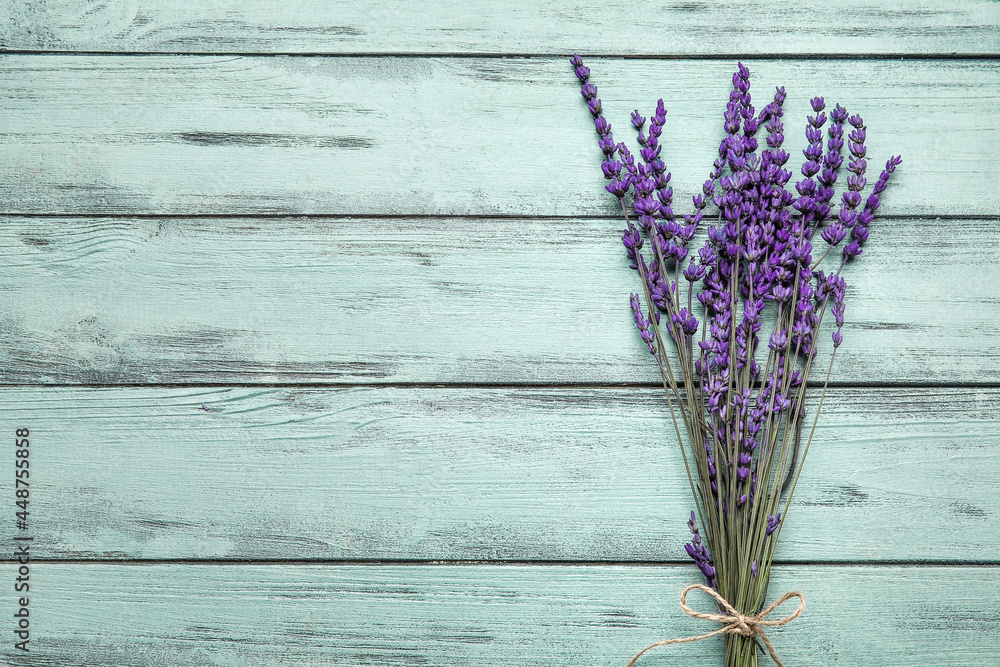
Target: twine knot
{"points": [[734, 623]]}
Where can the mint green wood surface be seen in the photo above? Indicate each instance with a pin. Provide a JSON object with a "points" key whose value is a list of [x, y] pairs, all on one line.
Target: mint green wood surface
{"points": [[180, 515], [315, 615], [433, 300], [482, 474], [360, 136], [519, 26]]}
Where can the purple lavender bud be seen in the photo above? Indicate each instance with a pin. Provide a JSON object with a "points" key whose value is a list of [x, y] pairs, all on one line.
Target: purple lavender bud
{"points": [[779, 341], [632, 240], [650, 154], [589, 91], [637, 120], [781, 293], [618, 188], [686, 322], [856, 120], [817, 104], [607, 145], [851, 198], [772, 523], [602, 126], [595, 107], [852, 250], [753, 568], [837, 338], [694, 272], [834, 233], [582, 73], [817, 121], [611, 168], [576, 60]]}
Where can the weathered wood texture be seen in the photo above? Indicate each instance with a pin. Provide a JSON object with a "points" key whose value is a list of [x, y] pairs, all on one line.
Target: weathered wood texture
{"points": [[481, 474], [521, 26], [312, 615], [432, 300], [362, 136], [466, 240]]}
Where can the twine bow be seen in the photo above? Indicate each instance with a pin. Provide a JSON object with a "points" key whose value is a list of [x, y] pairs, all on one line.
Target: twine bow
{"points": [[735, 622]]}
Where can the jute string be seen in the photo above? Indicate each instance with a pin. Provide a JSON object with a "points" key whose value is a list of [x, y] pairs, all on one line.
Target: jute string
{"points": [[734, 622]]}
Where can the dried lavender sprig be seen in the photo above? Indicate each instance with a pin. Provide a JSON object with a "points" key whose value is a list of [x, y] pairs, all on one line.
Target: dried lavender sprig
{"points": [[750, 200], [859, 233]]}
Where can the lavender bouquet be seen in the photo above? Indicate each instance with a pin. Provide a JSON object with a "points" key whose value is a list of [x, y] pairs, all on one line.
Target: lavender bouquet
{"points": [[743, 421]]}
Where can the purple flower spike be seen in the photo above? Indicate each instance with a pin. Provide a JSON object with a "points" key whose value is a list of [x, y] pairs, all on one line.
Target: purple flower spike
{"points": [[642, 324], [772, 523], [837, 288], [632, 240], [859, 233], [698, 552]]}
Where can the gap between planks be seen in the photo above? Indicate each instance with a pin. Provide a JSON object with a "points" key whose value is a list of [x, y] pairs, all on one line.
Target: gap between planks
{"points": [[487, 55], [417, 562]]}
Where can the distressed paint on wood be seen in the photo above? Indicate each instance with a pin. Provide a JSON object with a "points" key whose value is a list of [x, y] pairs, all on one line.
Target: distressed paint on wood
{"points": [[246, 300], [397, 136], [518, 26], [480, 474], [173, 135], [312, 615]]}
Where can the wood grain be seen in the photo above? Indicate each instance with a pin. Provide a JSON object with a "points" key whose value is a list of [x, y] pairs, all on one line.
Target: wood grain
{"points": [[480, 474], [310, 615], [445, 136], [521, 26], [460, 235], [513, 301]]}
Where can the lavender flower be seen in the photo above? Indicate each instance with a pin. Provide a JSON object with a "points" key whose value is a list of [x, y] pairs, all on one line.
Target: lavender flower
{"points": [[698, 552], [606, 142], [643, 324], [743, 418]]}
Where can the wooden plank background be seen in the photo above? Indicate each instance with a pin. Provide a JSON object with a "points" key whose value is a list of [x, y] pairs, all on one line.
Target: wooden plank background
{"points": [[318, 315]]}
